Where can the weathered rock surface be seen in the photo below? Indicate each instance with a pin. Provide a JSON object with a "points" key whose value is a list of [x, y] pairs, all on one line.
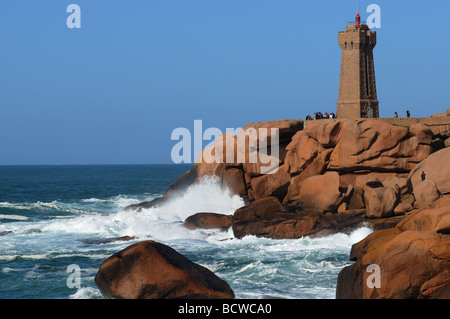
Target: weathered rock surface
{"points": [[381, 201], [426, 193], [436, 168], [151, 270], [320, 193], [413, 258], [359, 145]]}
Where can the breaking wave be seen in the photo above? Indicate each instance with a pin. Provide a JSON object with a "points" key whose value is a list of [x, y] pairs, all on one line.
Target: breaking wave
{"points": [[254, 267]]}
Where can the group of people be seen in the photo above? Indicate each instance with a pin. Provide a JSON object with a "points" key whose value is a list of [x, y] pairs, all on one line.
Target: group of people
{"points": [[408, 114], [319, 115]]}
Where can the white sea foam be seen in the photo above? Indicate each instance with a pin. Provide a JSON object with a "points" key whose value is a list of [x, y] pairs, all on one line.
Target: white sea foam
{"points": [[93, 200], [43, 206], [7, 270], [164, 222], [161, 222], [12, 257], [86, 293], [13, 217]]}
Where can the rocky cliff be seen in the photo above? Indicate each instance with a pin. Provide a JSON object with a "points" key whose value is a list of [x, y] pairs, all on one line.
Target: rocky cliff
{"points": [[335, 176], [339, 174]]}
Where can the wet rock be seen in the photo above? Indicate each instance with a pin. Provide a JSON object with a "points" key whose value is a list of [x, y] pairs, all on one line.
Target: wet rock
{"points": [[208, 221], [101, 241], [268, 218]]}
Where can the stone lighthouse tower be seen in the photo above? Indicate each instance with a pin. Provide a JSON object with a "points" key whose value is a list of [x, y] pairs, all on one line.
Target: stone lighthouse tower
{"points": [[357, 88]]}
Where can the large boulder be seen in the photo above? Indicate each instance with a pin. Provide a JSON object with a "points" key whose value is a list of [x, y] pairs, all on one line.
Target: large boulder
{"points": [[271, 184], [208, 221], [320, 193], [413, 259], [381, 201], [258, 218], [151, 270], [435, 167], [426, 193]]}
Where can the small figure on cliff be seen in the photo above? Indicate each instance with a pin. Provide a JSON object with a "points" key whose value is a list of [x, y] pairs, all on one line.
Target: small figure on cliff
{"points": [[395, 114], [423, 176], [407, 113]]}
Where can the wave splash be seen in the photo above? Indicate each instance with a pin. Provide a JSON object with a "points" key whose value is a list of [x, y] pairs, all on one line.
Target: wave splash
{"points": [[160, 223], [164, 222]]}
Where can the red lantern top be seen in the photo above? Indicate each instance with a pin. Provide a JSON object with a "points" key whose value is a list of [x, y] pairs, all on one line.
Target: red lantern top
{"points": [[358, 20]]}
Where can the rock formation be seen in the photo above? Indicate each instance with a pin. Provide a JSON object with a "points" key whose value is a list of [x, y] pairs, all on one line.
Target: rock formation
{"points": [[151, 270], [413, 258], [334, 176]]}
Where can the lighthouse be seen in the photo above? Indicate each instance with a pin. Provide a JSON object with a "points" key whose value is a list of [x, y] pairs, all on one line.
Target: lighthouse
{"points": [[357, 87]]}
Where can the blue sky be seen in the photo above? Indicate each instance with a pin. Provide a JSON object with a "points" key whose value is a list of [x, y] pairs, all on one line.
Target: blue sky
{"points": [[113, 91]]}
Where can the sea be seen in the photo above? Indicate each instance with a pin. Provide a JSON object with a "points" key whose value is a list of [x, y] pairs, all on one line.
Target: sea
{"points": [[55, 222]]}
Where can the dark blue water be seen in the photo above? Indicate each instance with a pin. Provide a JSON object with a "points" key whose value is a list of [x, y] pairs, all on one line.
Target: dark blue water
{"points": [[51, 218]]}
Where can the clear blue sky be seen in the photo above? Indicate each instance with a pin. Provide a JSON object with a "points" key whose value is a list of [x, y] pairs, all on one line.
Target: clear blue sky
{"points": [[113, 91]]}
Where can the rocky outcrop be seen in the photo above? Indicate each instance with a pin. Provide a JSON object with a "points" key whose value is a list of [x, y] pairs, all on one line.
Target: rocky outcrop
{"points": [[268, 218], [235, 166], [413, 259], [151, 270], [327, 167], [356, 145], [355, 149]]}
